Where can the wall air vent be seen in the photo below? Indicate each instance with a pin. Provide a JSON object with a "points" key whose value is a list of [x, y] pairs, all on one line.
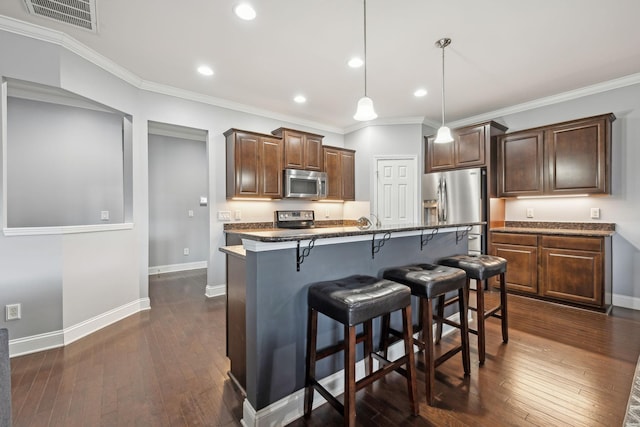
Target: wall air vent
{"points": [[79, 13]]}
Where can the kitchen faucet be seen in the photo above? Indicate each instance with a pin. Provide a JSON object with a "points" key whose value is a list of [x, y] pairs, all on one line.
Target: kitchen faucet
{"points": [[378, 223]]}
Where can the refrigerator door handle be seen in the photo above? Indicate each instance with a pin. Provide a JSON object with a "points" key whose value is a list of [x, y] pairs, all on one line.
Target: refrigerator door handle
{"points": [[443, 202]]}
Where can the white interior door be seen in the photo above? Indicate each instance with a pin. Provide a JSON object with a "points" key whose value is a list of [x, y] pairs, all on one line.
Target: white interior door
{"points": [[396, 184]]}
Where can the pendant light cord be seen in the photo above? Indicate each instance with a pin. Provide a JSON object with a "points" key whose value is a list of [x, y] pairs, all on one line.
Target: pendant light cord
{"points": [[365, 47], [443, 46]]}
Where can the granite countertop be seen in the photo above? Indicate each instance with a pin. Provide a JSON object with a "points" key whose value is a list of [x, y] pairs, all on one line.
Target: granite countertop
{"points": [[324, 232], [237, 250], [587, 229]]}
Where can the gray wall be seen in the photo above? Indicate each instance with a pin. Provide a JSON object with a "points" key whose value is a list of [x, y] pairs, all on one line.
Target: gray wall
{"points": [[177, 180], [65, 165]]}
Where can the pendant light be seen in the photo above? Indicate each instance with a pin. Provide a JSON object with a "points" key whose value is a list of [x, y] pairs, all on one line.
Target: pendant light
{"points": [[365, 110], [444, 133]]}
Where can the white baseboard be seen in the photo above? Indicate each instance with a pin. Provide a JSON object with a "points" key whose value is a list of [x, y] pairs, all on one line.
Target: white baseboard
{"points": [[46, 341], [626, 301], [291, 407], [215, 290], [159, 269]]}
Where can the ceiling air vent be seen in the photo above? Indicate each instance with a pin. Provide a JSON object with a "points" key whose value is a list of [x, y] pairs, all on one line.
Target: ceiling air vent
{"points": [[79, 13]]}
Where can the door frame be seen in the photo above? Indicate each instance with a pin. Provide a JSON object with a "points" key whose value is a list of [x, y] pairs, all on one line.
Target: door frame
{"points": [[412, 158]]}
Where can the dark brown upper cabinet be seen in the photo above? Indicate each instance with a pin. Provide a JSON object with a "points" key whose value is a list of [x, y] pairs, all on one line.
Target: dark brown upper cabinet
{"points": [[302, 150], [471, 147], [561, 159], [340, 167], [254, 164], [520, 164]]}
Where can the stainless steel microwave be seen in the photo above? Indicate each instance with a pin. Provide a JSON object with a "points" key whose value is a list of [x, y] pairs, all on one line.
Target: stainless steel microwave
{"points": [[301, 184]]}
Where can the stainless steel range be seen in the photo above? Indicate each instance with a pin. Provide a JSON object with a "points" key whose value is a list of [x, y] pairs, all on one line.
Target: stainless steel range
{"points": [[294, 219]]}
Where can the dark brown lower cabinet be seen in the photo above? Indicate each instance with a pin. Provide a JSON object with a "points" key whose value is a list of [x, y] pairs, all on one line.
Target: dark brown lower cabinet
{"points": [[521, 253], [570, 269], [573, 269]]}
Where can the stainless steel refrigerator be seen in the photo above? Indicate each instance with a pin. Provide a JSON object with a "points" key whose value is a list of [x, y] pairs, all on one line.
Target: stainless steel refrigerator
{"points": [[455, 197]]}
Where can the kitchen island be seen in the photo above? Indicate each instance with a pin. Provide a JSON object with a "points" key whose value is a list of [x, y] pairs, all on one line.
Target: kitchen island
{"points": [[268, 291]]}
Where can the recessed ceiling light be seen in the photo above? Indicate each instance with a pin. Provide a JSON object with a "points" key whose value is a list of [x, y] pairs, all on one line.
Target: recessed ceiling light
{"points": [[355, 63], [420, 92], [300, 99], [245, 11], [205, 70]]}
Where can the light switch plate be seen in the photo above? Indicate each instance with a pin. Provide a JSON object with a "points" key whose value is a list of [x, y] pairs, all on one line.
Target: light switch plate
{"points": [[595, 213], [529, 212]]}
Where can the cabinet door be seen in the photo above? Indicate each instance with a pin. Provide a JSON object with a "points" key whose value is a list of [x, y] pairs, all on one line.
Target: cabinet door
{"points": [[313, 153], [293, 150], [522, 270], [247, 165], [438, 157], [333, 167], [572, 275], [520, 163], [469, 146], [271, 168], [347, 163], [577, 155], [521, 253], [572, 269]]}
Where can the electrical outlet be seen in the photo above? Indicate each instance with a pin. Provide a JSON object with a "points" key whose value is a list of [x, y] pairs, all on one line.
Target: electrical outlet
{"points": [[104, 215], [186, 251], [529, 212], [238, 215], [595, 213], [13, 311], [224, 215], [190, 213]]}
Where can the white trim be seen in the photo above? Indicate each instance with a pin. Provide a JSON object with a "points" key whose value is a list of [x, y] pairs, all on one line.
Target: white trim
{"points": [[170, 268], [82, 329], [52, 36], [412, 120], [626, 301], [60, 338], [291, 407], [215, 291], [65, 229], [34, 343], [605, 86]]}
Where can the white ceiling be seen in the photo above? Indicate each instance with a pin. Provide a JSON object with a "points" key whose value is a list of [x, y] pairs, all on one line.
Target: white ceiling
{"points": [[504, 52]]}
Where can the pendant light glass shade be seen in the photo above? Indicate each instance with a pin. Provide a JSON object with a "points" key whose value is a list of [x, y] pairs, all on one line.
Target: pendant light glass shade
{"points": [[444, 133], [365, 110]]}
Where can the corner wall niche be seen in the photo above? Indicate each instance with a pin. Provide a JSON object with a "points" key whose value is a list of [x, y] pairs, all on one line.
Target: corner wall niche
{"points": [[67, 163]]}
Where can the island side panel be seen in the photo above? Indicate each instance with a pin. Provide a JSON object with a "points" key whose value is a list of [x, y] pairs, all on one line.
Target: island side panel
{"points": [[277, 305]]}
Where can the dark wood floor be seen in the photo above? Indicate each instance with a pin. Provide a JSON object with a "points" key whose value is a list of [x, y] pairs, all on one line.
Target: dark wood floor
{"points": [[167, 367]]}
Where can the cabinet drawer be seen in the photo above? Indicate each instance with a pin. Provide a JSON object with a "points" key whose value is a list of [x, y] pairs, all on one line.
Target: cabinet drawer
{"points": [[578, 243], [515, 239]]}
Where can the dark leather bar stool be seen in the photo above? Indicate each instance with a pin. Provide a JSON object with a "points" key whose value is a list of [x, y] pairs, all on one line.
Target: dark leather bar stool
{"points": [[429, 282], [480, 268], [352, 301]]}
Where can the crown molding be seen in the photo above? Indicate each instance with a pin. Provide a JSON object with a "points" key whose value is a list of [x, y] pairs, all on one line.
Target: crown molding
{"points": [[61, 39], [223, 103], [411, 120], [605, 86]]}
